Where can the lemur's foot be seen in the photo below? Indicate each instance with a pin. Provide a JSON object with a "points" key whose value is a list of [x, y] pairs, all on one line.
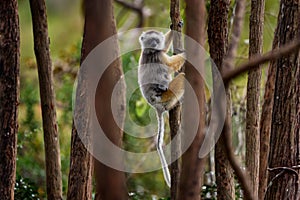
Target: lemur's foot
{"points": [[180, 24]]}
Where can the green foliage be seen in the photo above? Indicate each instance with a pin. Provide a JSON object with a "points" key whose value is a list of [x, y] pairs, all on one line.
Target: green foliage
{"points": [[144, 196], [209, 192], [29, 97], [25, 189]]}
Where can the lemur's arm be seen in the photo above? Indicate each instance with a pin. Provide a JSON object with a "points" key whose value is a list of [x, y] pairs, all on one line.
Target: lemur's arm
{"points": [[168, 40], [169, 36], [174, 62]]}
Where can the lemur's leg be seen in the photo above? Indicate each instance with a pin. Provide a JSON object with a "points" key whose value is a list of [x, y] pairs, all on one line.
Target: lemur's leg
{"points": [[174, 93], [174, 62]]}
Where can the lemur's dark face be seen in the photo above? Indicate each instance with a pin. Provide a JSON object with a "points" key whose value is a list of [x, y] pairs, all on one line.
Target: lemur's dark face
{"points": [[152, 40]]}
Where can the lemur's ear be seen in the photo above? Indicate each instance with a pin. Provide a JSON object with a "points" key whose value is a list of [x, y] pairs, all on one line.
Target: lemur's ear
{"points": [[142, 36]]}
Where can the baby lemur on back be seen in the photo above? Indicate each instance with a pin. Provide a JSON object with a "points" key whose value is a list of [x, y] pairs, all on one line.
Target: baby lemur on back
{"points": [[156, 83]]}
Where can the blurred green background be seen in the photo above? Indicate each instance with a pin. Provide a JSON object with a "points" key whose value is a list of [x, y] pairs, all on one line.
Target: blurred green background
{"points": [[65, 24]]}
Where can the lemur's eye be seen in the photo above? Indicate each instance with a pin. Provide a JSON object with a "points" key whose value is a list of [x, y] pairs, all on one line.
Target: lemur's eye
{"points": [[142, 38]]}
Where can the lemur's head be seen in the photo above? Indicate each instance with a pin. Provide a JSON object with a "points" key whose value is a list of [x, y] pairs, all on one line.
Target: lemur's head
{"points": [[152, 40]]}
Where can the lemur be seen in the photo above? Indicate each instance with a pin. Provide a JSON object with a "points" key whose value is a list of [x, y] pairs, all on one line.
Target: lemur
{"points": [[156, 83]]}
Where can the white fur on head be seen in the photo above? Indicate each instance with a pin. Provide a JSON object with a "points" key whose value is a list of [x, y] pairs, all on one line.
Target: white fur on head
{"points": [[148, 36]]}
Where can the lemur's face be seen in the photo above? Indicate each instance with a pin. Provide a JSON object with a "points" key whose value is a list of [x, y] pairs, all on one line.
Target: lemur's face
{"points": [[152, 40]]}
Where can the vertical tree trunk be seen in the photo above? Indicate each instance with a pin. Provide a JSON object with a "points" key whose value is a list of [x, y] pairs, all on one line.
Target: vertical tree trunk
{"points": [[265, 125], [175, 113], [218, 44], [9, 95], [253, 95], [285, 135], [80, 175], [265, 130], [110, 183], [100, 25], [51, 141], [192, 165]]}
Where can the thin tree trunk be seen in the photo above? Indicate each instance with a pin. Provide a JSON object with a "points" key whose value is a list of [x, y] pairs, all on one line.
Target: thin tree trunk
{"points": [[265, 131], [175, 113], [253, 95], [285, 135], [51, 140], [192, 166], [9, 95], [218, 43], [100, 25], [265, 125]]}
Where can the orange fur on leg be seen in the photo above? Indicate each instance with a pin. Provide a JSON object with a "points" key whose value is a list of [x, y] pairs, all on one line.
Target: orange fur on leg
{"points": [[174, 92]]}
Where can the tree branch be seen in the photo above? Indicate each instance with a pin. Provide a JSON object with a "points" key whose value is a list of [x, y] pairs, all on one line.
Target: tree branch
{"points": [[227, 65], [131, 6], [261, 59], [283, 169], [136, 7], [235, 164], [175, 113], [236, 33]]}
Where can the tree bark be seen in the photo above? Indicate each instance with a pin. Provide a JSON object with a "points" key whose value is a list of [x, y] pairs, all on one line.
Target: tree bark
{"points": [[81, 162], [9, 95], [51, 141], [100, 25], [265, 128], [285, 134], [265, 131], [175, 113], [110, 183], [192, 166], [80, 175], [253, 95], [218, 45]]}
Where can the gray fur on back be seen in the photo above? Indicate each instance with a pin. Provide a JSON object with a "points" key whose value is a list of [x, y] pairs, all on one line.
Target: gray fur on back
{"points": [[153, 77]]}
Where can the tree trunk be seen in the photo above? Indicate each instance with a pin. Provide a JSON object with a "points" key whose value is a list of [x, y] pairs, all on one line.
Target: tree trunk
{"points": [[285, 135], [175, 113], [192, 166], [253, 95], [265, 130], [80, 175], [100, 25], [265, 127], [9, 95], [51, 141], [218, 44]]}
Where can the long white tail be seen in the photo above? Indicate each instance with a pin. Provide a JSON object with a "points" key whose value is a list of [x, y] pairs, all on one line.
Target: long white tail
{"points": [[159, 145]]}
